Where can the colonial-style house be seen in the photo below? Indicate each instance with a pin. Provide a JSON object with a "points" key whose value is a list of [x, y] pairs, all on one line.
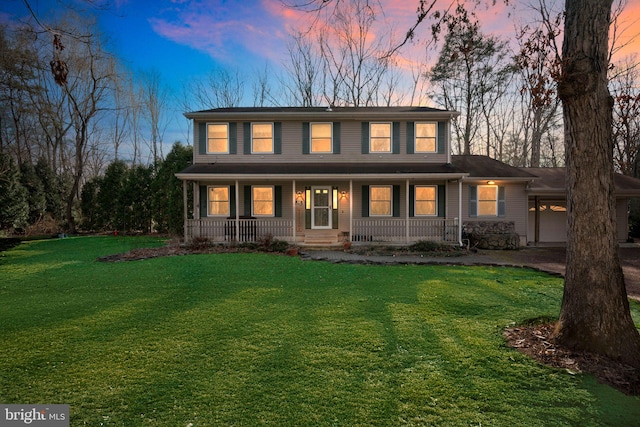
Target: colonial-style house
{"points": [[322, 176]]}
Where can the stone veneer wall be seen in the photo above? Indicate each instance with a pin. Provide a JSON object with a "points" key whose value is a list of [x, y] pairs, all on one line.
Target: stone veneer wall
{"points": [[491, 234]]}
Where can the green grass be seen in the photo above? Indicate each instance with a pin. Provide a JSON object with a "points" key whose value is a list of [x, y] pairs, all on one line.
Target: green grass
{"points": [[256, 339]]}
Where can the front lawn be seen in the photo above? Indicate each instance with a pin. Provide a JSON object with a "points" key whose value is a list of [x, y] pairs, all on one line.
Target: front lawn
{"points": [[257, 339]]}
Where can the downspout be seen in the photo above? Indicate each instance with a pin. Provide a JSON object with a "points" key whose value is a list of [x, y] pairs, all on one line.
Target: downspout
{"points": [[237, 219], [351, 210], [406, 205], [184, 209], [460, 210], [295, 213]]}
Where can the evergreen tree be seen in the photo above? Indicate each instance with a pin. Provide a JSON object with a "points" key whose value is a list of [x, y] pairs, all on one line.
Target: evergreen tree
{"points": [[138, 198], [36, 198], [14, 209], [109, 200], [167, 190]]}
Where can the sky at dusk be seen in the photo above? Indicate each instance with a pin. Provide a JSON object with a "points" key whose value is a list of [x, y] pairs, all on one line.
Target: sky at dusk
{"points": [[186, 39]]}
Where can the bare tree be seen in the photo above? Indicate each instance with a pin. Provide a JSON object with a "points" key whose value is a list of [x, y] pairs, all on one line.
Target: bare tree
{"points": [[625, 86], [154, 99], [595, 314]]}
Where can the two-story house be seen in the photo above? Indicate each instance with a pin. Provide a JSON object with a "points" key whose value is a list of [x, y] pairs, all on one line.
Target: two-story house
{"points": [[314, 176], [326, 175]]}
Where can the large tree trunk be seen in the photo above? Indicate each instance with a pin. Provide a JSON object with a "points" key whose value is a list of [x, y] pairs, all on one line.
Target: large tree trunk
{"points": [[595, 313]]}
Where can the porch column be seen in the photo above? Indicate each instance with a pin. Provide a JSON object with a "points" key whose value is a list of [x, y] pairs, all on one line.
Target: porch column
{"points": [[351, 210], [237, 219], [406, 215], [460, 210], [295, 213], [184, 209], [537, 220]]}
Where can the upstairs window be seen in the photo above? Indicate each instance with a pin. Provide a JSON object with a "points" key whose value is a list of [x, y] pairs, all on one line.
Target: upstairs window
{"points": [[217, 138], [218, 198], [380, 200], [426, 202], [321, 137], [263, 200], [380, 138], [262, 137], [426, 137]]}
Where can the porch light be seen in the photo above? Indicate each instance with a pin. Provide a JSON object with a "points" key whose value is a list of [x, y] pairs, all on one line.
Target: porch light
{"points": [[343, 195], [299, 197], [491, 182]]}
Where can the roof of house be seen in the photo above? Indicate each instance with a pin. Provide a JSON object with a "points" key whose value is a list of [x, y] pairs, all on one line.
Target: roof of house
{"points": [[478, 167], [321, 113], [551, 181]]}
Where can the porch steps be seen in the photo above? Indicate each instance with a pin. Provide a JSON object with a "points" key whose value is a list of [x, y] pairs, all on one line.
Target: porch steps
{"points": [[322, 238]]}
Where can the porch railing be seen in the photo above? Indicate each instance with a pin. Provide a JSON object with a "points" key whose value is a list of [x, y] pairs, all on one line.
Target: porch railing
{"points": [[395, 230], [364, 230], [242, 230]]}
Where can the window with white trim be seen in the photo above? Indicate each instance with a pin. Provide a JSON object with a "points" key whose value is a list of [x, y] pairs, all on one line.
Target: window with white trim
{"points": [[426, 137], [380, 200], [262, 137], [217, 138], [487, 200], [218, 201], [262, 200], [380, 137], [426, 200], [321, 137]]}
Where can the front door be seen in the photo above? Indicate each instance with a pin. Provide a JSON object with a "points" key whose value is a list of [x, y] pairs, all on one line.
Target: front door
{"points": [[321, 207]]}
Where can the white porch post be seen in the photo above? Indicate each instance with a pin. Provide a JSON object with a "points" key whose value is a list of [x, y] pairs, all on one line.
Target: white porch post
{"points": [[184, 209], [237, 219], [406, 205], [460, 210], [295, 214], [351, 210]]}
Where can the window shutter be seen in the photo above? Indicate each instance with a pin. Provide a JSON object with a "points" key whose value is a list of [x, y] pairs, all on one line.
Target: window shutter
{"points": [[365, 138], [442, 130], [396, 201], [336, 137], [278, 200], [247, 137], [204, 200], [395, 138], [365, 201], [277, 138], [334, 211], [307, 208], [502, 202], [411, 142], [233, 138], [247, 200], [306, 138], [442, 201], [412, 200], [232, 201], [202, 138], [473, 201]]}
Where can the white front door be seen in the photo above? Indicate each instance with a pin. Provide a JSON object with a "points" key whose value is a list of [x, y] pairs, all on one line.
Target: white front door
{"points": [[321, 207]]}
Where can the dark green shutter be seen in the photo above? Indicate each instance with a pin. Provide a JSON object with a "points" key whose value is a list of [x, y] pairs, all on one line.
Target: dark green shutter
{"points": [[411, 142], [502, 202], [247, 200], [307, 212], [412, 200], [442, 201], [334, 210], [442, 131], [203, 201], [247, 137], [277, 138], [233, 138], [395, 138], [396, 200], [336, 138], [278, 200], [306, 141], [473, 201], [365, 137], [365, 201], [202, 138], [232, 201]]}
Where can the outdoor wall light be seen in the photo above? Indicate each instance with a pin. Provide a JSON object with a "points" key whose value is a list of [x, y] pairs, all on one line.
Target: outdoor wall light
{"points": [[299, 197], [343, 195]]}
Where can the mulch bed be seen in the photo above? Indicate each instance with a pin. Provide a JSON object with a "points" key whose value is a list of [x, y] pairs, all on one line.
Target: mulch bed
{"points": [[535, 341]]}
